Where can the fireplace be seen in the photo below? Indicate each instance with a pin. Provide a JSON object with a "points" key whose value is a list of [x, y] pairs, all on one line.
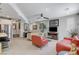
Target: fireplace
{"points": [[53, 35]]}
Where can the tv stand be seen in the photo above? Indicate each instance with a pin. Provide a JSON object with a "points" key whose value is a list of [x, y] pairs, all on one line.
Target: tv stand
{"points": [[54, 35]]}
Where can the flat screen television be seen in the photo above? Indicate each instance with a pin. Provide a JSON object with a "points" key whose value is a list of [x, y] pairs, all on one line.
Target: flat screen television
{"points": [[52, 29]]}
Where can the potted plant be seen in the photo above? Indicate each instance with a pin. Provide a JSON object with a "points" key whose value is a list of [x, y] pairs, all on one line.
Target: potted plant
{"points": [[74, 32]]}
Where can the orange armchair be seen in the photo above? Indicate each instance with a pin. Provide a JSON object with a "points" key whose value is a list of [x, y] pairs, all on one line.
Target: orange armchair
{"points": [[38, 41], [64, 45]]}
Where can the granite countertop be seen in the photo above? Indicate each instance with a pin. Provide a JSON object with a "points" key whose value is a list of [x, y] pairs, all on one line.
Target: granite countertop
{"points": [[3, 37]]}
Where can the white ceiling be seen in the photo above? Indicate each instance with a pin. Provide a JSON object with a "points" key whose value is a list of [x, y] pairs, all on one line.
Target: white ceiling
{"points": [[51, 10], [8, 11]]}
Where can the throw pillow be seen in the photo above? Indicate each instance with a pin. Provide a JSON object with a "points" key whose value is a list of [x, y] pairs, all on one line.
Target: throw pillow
{"points": [[76, 37]]}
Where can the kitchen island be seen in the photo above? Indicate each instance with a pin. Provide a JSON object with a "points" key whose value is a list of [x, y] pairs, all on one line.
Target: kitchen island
{"points": [[3, 41]]}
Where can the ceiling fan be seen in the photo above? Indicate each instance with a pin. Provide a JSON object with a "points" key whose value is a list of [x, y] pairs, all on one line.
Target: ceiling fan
{"points": [[43, 16], [38, 16]]}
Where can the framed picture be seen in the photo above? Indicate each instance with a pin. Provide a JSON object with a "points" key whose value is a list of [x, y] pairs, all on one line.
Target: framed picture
{"points": [[34, 27], [54, 22]]}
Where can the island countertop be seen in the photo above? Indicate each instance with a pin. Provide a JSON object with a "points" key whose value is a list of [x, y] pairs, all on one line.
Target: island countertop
{"points": [[4, 37]]}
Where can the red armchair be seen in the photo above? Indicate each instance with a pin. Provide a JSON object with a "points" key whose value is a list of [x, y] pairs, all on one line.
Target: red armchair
{"points": [[38, 41], [64, 45]]}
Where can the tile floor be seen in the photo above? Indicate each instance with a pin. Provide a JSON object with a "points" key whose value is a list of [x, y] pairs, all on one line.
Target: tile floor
{"points": [[22, 46]]}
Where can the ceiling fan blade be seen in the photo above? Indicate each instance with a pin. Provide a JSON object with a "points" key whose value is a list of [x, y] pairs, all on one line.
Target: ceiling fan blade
{"points": [[46, 17], [38, 16]]}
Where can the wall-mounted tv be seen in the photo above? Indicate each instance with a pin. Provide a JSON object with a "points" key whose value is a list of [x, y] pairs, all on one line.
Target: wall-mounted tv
{"points": [[52, 29]]}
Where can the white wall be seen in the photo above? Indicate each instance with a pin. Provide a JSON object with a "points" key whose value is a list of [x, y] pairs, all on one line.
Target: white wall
{"points": [[22, 29], [66, 24], [62, 28], [77, 22]]}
